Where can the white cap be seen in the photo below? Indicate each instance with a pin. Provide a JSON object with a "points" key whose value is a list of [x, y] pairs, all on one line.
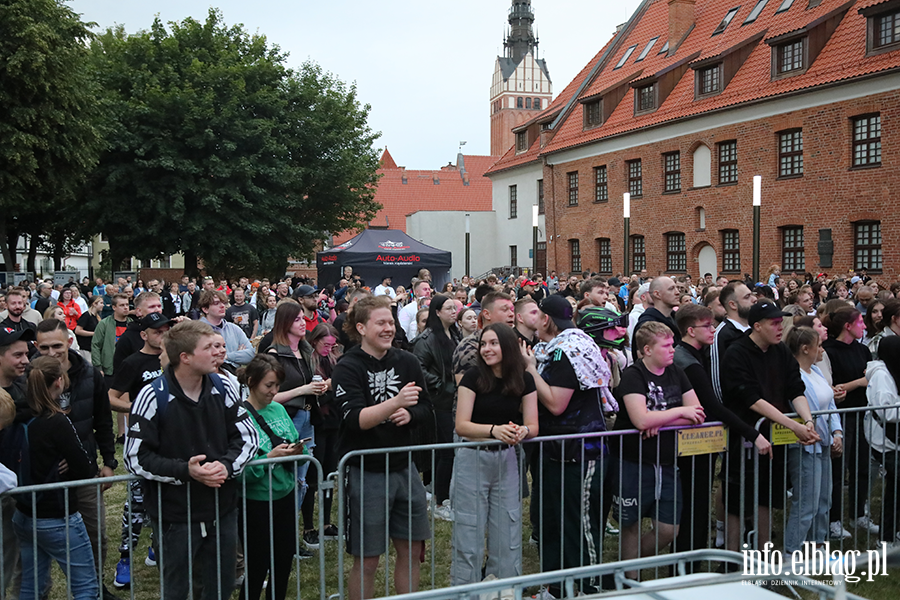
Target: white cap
{"points": [[644, 289]]}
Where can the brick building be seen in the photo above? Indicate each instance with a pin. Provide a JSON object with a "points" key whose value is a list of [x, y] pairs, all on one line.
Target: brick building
{"points": [[692, 98]]}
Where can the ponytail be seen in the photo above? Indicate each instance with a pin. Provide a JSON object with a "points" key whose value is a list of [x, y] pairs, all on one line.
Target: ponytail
{"points": [[835, 321], [45, 371]]}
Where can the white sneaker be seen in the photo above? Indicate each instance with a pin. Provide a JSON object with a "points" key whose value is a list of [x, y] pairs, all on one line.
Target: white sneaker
{"points": [[864, 522], [837, 531], [444, 512]]}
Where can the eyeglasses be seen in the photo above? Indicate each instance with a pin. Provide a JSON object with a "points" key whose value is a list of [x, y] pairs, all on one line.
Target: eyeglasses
{"points": [[709, 325]]}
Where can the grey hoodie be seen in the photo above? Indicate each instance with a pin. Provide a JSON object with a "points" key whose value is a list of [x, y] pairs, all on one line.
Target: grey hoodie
{"points": [[882, 391]]}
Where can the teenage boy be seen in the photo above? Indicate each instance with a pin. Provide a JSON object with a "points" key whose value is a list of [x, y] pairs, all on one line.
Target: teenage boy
{"points": [[655, 394], [239, 350], [189, 437], [242, 314], [697, 325], [763, 381], [138, 370], [528, 319], [383, 395], [566, 367]]}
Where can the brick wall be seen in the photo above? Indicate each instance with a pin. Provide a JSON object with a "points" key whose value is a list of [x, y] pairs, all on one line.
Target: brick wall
{"points": [[830, 194]]}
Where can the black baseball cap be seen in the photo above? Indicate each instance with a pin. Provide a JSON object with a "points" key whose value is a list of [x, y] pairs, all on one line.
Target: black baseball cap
{"points": [[303, 291], [153, 321], [614, 282], [558, 309], [765, 309], [8, 335]]}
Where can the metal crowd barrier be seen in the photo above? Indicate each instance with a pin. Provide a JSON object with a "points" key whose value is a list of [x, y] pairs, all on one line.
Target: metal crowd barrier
{"points": [[588, 559]]}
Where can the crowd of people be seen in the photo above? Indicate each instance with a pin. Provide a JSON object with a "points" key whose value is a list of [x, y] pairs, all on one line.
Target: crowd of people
{"points": [[206, 377]]}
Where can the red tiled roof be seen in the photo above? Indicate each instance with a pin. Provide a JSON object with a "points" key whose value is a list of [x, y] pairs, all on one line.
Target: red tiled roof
{"points": [[419, 192], [842, 58], [387, 161]]}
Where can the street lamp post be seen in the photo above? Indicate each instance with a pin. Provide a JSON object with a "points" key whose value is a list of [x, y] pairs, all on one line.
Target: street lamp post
{"points": [[467, 244], [534, 236], [626, 213], [757, 202]]}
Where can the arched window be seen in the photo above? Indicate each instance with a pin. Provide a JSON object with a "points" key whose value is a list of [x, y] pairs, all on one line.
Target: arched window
{"points": [[527, 102], [519, 102], [537, 104]]}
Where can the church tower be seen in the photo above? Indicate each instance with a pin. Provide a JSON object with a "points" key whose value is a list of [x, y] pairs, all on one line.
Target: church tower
{"points": [[521, 85]]}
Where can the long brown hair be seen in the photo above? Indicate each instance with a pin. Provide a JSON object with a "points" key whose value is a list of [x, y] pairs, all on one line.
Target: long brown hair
{"points": [[45, 371], [512, 365], [285, 315]]}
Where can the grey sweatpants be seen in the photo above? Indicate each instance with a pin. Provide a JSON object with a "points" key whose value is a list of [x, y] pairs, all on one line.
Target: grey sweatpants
{"points": [[485, 496]]}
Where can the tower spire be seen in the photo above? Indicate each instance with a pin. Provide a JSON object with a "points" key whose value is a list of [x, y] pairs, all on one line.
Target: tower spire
{"points": [[520, 39]]}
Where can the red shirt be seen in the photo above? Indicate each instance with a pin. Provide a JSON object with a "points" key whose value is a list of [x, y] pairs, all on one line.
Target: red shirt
{"points": [[311, 323]]}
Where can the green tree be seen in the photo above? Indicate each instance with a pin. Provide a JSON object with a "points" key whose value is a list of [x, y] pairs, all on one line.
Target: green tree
{"points": [[221, 152], [49, 134]]}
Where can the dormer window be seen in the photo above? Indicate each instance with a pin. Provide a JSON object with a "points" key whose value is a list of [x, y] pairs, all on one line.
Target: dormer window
{"points": [[665, 48], [593, 115], [645, 98], [709, 80], [521, 141], [726, 21], [625, 57], [789, 57]]}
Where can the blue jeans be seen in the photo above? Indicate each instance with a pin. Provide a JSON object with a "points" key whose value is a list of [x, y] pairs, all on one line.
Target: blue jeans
{"points": [[810, 477], [63, 540], [305, 429]]}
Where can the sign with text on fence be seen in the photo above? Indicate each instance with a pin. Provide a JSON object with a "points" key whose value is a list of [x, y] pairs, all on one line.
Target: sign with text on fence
{"points": [[702, 440], [781, 435]]}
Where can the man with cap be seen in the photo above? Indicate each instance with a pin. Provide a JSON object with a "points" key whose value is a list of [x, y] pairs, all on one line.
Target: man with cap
{"points": [[566, 366], [384, 288], [308, 298], [13, 361], [136, 371], [763, 381], [528, 289]]}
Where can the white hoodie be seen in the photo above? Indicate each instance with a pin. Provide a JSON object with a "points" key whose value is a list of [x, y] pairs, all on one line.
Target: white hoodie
{"points": [[882, 391]]}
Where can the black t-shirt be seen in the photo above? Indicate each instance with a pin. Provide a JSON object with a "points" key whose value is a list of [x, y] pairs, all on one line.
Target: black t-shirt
{"points": [[88, 322], [584, 413], [662, 392], [848, 363], [135, 372], [243, 316], [493, 407], [22, 325]]}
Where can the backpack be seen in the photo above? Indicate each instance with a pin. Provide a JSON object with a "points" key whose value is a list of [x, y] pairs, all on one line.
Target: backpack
{"points": [[160, 387]]}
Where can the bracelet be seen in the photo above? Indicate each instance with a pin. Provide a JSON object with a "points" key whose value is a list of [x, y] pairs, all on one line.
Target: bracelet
{"points": [[527, 431], [491, 434], [808, 421]]}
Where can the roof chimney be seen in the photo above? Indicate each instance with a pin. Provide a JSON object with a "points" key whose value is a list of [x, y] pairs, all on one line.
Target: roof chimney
{"points": [[681, 21]]}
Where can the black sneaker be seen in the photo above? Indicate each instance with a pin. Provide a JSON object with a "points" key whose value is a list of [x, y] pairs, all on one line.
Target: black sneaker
{"points": [[311, 539], [108, 595], [331, 532], [303, 553]]}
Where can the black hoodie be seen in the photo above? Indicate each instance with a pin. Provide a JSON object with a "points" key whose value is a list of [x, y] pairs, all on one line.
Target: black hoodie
{"points": [[361, 380]]}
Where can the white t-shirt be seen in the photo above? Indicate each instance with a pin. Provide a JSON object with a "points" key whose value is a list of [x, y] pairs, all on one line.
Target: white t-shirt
{"points": [[385, 290]]}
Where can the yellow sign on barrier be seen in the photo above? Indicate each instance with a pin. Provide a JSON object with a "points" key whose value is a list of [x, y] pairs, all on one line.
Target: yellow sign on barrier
{"points": [[781, 435], [702, 440]]}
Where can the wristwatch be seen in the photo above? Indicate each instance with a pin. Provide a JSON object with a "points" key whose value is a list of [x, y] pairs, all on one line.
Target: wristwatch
{"points": [[112, 464]]}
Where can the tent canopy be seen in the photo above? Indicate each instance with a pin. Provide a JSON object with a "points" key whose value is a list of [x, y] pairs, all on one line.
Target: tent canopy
{"points": [[378, 253]]}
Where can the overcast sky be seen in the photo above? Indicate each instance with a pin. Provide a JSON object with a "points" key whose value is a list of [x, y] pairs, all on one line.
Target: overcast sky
{"points": [[424, 67]]}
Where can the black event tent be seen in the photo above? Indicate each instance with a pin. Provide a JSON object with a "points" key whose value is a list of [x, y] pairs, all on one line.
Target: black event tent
{"points": [[376, 253]]}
